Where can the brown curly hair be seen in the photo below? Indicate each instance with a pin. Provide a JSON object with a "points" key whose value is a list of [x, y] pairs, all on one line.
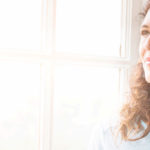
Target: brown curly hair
{"points": [[136, 109]]}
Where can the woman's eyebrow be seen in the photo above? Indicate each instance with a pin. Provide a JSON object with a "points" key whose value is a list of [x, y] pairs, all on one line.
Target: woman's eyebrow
{"points": [[144, 26]]}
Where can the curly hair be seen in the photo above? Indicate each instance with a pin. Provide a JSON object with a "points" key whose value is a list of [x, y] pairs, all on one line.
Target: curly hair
{"points": [[145, 8], [136, 109]]}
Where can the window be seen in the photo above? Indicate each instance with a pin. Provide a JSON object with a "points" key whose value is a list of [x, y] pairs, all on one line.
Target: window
{"points": [[63, 64]]}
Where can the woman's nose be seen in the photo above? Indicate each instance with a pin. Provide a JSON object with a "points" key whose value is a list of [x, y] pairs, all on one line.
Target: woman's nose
{"points": [[147, 43]]}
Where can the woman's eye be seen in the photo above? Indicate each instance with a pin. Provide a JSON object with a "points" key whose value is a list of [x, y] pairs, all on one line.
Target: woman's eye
{"points": [[145, 32]]}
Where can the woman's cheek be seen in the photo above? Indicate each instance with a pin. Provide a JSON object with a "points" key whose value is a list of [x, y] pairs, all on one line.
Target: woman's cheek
{"points": [[141, 50]]}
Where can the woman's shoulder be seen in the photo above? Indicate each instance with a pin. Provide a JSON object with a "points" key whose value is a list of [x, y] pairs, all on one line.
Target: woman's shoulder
{"points": [[104, 139], [102, 135]]}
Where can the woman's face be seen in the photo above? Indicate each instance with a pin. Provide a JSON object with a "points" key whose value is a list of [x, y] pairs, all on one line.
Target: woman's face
{"points": [[144, 48]]}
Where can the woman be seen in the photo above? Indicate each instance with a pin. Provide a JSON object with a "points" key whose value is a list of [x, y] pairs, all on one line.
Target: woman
{"points": [[132, 130]]}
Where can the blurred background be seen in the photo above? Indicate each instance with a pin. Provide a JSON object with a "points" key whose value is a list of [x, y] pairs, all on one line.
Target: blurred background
{"points": [[64, 66]]}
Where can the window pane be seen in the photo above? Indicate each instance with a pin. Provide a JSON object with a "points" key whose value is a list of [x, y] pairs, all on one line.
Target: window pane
{"points": [[83, 95], [19, 106], [20, 24], [88, 27]]}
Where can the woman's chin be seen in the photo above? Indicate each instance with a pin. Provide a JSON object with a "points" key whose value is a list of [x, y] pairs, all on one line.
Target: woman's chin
{"points": [[147, 72], [147, 77]]}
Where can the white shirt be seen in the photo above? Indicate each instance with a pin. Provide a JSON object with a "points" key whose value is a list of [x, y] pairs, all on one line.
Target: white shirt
{"points": [[102, 139]]}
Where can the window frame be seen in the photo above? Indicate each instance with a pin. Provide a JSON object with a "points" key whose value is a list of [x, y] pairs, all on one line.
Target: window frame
{"points": [[48, 56]]}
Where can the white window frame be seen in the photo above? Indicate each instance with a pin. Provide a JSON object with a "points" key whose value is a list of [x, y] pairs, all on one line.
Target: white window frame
{"points": [[48, 56]]}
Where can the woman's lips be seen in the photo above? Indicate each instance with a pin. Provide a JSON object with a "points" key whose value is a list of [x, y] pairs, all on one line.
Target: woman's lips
{"points": [[147, 60]]}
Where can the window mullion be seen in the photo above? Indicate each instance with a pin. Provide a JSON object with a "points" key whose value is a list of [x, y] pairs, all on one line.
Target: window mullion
{"points": [[47, 73], [48, 25]]}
